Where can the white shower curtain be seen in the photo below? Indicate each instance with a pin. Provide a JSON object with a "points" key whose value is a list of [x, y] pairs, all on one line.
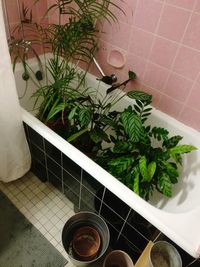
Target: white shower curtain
{"points": [[14, 153]]}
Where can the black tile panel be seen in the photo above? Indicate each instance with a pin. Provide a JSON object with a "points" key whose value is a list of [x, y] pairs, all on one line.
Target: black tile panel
{"points": [[39, 170], [71, 182], [91, 183], [142, 225], [54, 168], [71, 167], [53, 152], [136, 238], [116, 204], [110, 216], [38, 154], [89, 198], [54, 180], [35, 138], [72, 196]]}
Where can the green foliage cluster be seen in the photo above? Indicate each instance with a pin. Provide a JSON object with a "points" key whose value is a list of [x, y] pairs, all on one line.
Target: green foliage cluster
{"points": [[143, 157]]}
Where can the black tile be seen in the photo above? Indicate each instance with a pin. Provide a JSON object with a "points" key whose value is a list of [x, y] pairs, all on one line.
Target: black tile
{"points": [[134, 237], [196, 263], [71, 196], [55, 181], [54, 168], [71, 182], [53, 152], [90, 199], [71, 167], [85, 206], [35, 138], [113, 235], [91, 183], [38, 154], [116, 204], [111, 217], [39, 170], [142, 225], [130, 249]]}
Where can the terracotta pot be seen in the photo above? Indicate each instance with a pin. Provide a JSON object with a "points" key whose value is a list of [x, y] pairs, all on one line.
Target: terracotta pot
{"points": [[86, 243], [118, 258]]}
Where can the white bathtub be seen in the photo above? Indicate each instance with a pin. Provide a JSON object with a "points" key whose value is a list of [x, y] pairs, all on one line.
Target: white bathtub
{"points": [[177, 217]]}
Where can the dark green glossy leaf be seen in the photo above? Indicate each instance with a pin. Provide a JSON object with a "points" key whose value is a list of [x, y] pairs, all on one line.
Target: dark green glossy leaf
{"points": [[164, 184], [132, 126], [139, 95]]}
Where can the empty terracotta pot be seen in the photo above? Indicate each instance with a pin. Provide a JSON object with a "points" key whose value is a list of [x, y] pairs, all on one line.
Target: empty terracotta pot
{"points": [[118, 258], [86, 243]]}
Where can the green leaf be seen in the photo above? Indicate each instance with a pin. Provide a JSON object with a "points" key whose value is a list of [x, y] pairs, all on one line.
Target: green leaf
{"points": [[132, 125], [171, 170], [181, 149], [85, 116], [98, 135], [131, 75], [122, 147], [56, 108], [151, 170], [121, 164], [159, 133], [173, 141], [76, 135], [164, 184], [136, 184], [108, 121], [72, 113], [138, 95], [143, 168]]}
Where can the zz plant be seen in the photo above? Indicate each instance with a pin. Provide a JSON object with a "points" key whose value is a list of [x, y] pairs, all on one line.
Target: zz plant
{"points": [[143, 157]]}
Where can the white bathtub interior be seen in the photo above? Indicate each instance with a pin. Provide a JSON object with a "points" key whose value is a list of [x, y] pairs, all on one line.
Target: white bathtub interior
{"points": [[177, 217]]}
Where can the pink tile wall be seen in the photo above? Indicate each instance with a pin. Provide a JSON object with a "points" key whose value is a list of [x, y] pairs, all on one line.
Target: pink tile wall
{"points": [[160, 41], [14, 8]]}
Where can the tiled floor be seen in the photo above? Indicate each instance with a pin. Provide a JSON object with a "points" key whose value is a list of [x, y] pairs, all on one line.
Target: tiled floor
{"points": [[43, 205]]}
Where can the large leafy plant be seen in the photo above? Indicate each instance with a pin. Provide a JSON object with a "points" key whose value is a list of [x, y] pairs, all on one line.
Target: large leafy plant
{"points": [[72, 39], [143, 157]]}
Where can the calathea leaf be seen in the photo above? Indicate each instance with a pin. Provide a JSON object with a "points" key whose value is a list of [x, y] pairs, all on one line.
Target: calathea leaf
{"points": [[171, 170], [164, 184], [138, 95], [173, 141], [85, 116], [151, 170], [136, 183], [98, 135], [108, 121], [181, 149], [132, 125], [143, 168], [122, 147], [121, 163]]}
